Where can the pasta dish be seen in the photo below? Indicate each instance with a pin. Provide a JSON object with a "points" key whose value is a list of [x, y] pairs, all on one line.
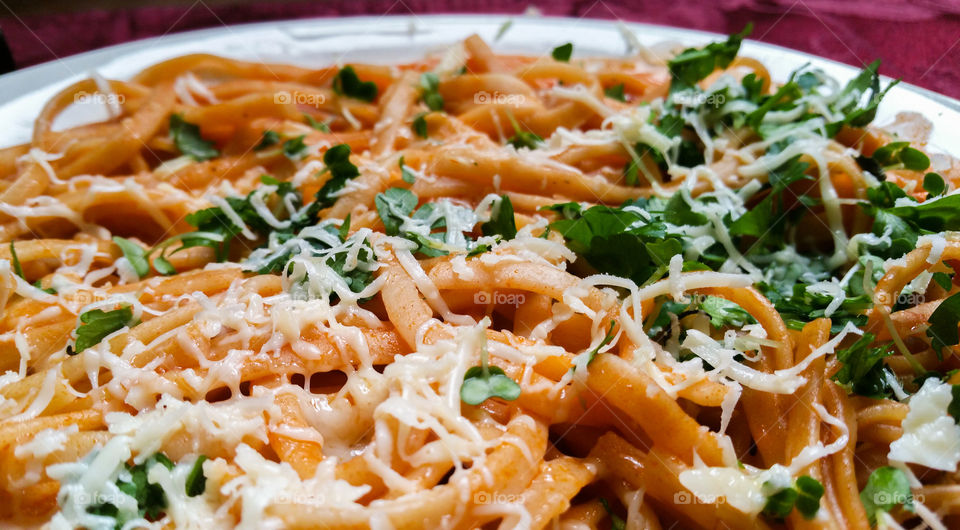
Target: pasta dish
{"points": [[480, 290]]}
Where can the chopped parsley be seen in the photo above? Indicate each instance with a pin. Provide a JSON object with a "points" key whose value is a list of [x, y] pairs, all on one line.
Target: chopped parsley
{"points": [[337, 160], [269, 138], [406, 173], [616, 522], [863, 371], [430, 85], [723, 312], [419, 125], [294, 148], [186, 136], [563, 52], [318, 125], [18, 270], [346, 83], [483, 382], [805, 495], [97, 324], [196, 481], [943, 325], [15, 261], [615, 92], [592, 354], [151, 501], [502, 222], [136, 256], [694, 64], [522, 138], [934, 185], [954, 407]]}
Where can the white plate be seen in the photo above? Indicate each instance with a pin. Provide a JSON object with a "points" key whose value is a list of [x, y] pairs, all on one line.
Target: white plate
{"points": [[390, 39]]}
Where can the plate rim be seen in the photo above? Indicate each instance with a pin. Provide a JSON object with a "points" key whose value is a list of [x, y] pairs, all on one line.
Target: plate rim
{"points": [[44, 75]]}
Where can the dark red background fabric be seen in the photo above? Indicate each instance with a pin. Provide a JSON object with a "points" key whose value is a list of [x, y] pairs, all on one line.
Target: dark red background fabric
{"points": [[918, 40]]}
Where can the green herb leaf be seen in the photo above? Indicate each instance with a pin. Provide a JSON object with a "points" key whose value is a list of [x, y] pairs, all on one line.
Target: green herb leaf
{"points": [[780, 504], [615, 92], [346, 83], [196, 481], [679, 212], [337, 160], [17, 269], [406, 173], [563, 52], [619, 241], [294, 148], [943, 280], [135, 255], [863, 371], [269, 138], [723, 312], [805, 495], [592, 354], [430, 96], [864, 89], [163, 266], [943, 324], [940, 214], [502, 221], [393, 206], [756, 222], [616, 522], [631, 173], [901, 155], [478, 249], [954, 407], [887, 488], [791, 171], [481, 384], [525, 139], [934, 185], [186, 136], [420, 125], [318, 125], [693, 64], [150, 497], [809, 493], [96, 324], [522, 138]]}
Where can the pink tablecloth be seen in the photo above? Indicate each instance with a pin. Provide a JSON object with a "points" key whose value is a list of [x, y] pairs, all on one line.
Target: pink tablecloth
{"points": [[918, 40]]}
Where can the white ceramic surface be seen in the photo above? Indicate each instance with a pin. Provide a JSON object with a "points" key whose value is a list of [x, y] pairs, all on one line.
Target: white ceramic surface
{"points": [[388, 39]]}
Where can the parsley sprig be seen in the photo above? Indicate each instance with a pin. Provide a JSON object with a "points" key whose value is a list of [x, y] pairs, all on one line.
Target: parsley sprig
{"points": [[97, 324], [186, 136], [430, 91], [804, 495], [483, 382], [347, 83]]}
